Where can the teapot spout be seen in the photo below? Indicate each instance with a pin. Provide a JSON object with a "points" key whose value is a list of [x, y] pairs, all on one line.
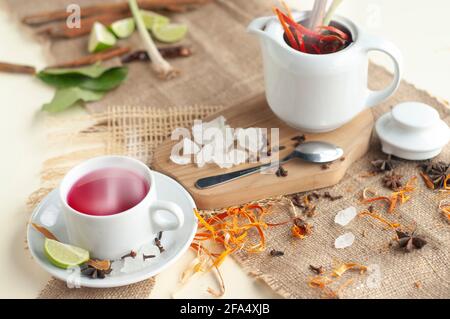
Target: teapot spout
{"points": [[259, 27]]}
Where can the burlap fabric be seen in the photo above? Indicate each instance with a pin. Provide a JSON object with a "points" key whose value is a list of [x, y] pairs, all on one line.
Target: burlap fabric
{"points": [[224, 69]]}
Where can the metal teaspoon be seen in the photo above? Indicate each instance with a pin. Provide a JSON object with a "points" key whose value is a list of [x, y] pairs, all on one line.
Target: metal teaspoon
{"points": [[313, 152]]}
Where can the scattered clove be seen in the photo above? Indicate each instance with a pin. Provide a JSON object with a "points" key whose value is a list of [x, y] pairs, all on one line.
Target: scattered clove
{"points": [[281, 172], [159, 245], [317, 270], [276, 253], [331, 197], [160, 235], [325, 166], [145, 257], [131, 254]]}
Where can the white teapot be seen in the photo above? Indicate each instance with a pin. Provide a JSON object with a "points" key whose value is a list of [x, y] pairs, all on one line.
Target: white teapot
{"points": [[320, 92]]}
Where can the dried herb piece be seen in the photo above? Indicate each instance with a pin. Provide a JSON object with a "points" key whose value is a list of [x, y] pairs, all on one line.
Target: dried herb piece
{"points": [[318, 270], [276, 253], [300, 229], [131, 254], [392, 180], [96, 268], [331, 197], [383, 165], [281, 172], [159, 245], [409, 241], [437, 172]]}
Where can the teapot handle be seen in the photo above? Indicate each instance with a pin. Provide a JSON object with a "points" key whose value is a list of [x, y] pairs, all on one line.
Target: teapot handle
{"points": [[374, 43]]}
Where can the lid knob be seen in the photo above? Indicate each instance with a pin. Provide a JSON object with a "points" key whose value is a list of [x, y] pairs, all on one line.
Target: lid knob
{"points": [[415, 115]]}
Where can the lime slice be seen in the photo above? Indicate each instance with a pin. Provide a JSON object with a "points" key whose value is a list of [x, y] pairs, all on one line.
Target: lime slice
{"points": [[100, 38], [169, 33], [123, 28], [152, 19], [63, 255]]}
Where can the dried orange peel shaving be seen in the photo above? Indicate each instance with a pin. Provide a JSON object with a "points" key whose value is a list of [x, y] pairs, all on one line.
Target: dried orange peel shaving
{"points": [[396, 198], [340, 270], [380, 218], [323, 282], [227, 232]]}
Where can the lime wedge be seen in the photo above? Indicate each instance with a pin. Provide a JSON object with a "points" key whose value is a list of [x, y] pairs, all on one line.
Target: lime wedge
{"points": [[169, 33], [123, 28], [63, 255], [152, 19], [100, 38]]}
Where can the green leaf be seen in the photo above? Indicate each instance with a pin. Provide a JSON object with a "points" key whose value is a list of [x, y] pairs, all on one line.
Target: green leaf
{"points": [[92, 71], [64, 98], [110, 79]]}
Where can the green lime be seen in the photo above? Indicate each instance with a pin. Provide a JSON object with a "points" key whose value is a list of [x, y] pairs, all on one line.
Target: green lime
{"points": [[169, 33], [100, 38], [152, 19], [123, 28], [63, 255]]}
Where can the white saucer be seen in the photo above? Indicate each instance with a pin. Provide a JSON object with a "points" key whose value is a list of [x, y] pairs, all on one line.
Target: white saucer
{"points": [[48, 214]]}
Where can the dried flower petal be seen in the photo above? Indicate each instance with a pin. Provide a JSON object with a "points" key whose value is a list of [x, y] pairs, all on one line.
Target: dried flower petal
{"points": [[341, 269]]}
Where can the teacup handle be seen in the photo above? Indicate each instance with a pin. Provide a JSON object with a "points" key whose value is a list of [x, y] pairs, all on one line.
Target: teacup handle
{"points": [[374, 43], [161, 223]]}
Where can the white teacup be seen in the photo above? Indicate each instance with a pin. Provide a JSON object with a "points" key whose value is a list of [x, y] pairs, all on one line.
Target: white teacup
{"points": [[112, 236], [320, 92]]}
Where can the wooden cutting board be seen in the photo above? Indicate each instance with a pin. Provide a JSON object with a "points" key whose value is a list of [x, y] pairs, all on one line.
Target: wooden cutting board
{"points": [[353, 138]]}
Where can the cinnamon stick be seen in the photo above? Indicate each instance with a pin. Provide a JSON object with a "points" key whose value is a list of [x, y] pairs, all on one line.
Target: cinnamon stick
{"points": [[17, 68], [113, 8], [93, 58], [166, 52], [61, 30]]}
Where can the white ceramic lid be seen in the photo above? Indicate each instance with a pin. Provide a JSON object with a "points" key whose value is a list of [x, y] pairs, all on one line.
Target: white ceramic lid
{"points": [[413, 131]]}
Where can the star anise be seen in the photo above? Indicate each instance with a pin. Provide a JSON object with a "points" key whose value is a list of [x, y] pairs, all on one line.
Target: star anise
{"points": [[437, 172], [383, 165], [392, 180], [409, 241], [96, 268]]}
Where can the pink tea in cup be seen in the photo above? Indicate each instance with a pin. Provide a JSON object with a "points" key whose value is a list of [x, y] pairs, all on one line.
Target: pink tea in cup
{"points": [[107, 191]]}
